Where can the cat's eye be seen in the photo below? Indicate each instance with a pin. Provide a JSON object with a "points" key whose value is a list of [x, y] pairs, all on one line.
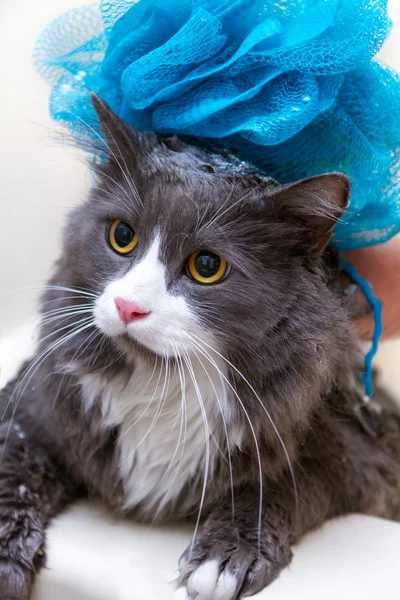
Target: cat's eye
{"points": [[206, 267], [123, 239]]}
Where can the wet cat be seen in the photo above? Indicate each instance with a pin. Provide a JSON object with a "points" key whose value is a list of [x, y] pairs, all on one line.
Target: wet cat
{"points": [[195, 361]]}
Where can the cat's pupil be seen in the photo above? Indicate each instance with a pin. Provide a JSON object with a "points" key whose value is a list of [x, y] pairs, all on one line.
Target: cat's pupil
{"points": [[123, 235], [207, 264]]}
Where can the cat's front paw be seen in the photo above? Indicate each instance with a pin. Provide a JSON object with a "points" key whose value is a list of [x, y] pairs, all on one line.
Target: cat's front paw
{"points": [[228, 569]]}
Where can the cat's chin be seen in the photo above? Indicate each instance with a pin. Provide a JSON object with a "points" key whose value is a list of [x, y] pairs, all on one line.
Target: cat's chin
{"points": [[131, 347]]}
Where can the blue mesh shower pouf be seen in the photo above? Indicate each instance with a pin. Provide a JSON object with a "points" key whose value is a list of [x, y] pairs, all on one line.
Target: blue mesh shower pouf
{"points": [[291, 84]]}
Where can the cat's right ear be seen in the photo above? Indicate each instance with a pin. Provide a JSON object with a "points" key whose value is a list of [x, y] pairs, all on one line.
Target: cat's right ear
{"points": [[314, 206], [121, 141]]}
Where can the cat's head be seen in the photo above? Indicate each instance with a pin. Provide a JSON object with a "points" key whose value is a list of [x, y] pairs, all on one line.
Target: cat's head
{"points": [[188, 250]]}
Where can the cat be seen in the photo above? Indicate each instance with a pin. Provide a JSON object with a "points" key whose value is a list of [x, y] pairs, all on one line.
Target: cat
{"points": [[196, 361]]}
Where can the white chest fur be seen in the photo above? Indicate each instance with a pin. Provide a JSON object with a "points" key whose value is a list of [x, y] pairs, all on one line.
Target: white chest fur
{"points": [[168, 424]]}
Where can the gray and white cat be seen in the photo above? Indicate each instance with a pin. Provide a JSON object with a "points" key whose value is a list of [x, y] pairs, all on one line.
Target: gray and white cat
{"points": [[196, 361]]}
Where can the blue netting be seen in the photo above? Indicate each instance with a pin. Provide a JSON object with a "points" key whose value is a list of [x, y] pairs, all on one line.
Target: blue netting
{"points": [[290, 83]]}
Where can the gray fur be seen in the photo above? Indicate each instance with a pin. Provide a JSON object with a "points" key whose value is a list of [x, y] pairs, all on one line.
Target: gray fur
{"points": [[279, 318]]}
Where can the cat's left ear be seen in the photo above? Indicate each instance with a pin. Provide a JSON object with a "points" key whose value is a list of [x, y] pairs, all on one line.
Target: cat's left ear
{"points": [[122, 142], [316, 205]]}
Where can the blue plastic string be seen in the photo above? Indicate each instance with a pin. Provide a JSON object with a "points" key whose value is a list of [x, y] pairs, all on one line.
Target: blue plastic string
{"points": [[376, 306]]}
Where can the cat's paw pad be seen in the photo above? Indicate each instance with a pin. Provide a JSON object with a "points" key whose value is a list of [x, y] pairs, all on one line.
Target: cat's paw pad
{"points": [[224, 574]]}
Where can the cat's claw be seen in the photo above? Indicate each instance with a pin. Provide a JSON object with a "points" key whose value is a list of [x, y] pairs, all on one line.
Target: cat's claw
{"points": [[174, 579], [237, 573], [209, 582]]}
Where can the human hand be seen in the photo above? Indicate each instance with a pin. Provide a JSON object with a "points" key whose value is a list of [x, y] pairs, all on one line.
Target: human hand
{"points": [[380, 266]]}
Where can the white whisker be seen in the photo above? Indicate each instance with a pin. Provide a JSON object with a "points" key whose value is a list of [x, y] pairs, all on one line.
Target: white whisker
{"points": [[57, 331], [159, 409], [220, 208], [220, 214], [128, 179], [76, 355], [210, 359], [147, 406], [112, 362], [97, 348], [61, 288], [61, 310], [207, 440], [278, 435], [32, 369], [183, 426], [64, 316], [225, 429]]}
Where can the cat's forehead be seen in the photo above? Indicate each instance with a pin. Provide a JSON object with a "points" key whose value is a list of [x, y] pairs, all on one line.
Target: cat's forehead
{"points": [[189, 159], [182, 185], [187, 207], [190, 179]]}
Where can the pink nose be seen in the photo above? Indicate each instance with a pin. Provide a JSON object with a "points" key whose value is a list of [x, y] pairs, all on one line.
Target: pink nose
{"points": [[128, 311]]}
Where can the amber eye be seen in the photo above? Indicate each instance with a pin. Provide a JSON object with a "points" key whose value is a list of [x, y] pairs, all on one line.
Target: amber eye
{"points": [[123, 238], [206, 267]]}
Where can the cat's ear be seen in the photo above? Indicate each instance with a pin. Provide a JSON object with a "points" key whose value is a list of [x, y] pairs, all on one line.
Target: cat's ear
{"points": [[122, 142], [315, 204]]}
